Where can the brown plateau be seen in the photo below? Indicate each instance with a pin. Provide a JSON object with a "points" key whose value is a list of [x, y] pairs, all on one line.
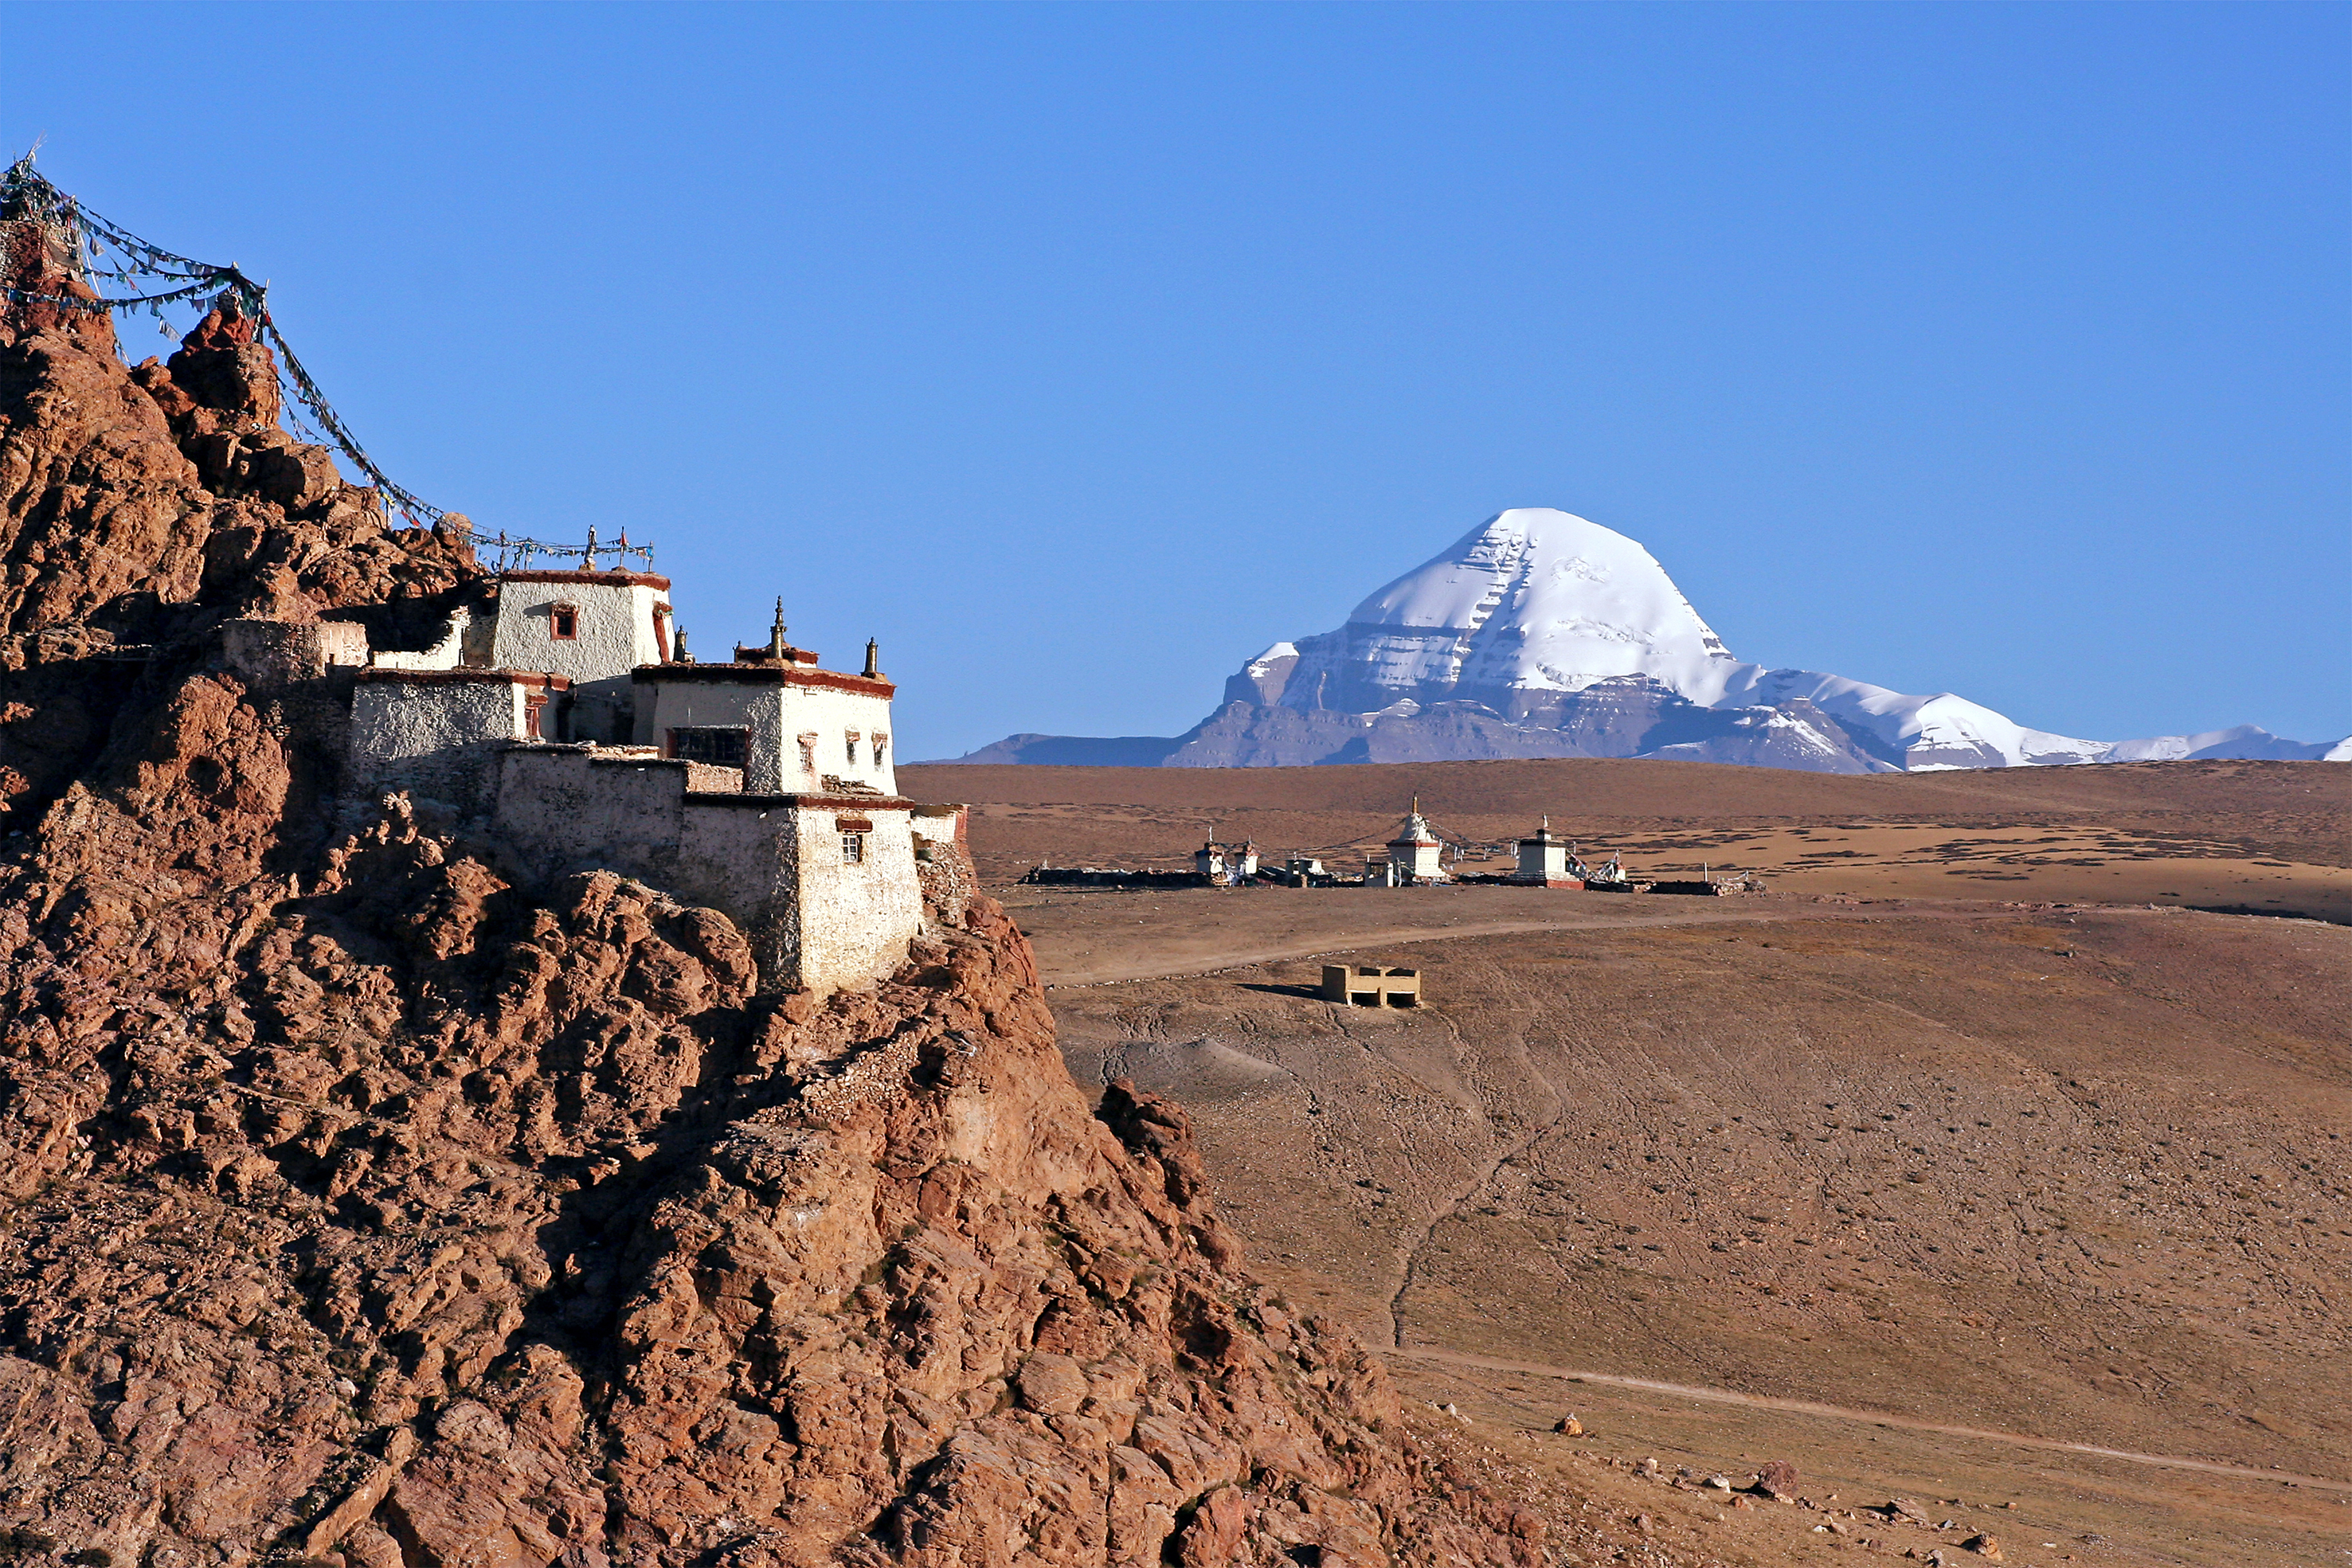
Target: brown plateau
{"points": [[1974, 1164]]}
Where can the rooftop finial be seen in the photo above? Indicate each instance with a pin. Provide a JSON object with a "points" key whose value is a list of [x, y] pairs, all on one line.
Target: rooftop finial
{"points": [[776, 643], [873, 659]]}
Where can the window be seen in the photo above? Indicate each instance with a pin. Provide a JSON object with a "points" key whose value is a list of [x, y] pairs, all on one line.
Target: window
{"points": [[852, 848], [564, 622], [850, 745], [808, 752], [710, 743], [534, 715], [881, 746]]}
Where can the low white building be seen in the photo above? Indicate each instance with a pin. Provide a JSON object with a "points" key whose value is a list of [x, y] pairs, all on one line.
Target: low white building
{"points": [[825, 885], [1543, 859], [1225, 865], [566, 720], [788, 726]]}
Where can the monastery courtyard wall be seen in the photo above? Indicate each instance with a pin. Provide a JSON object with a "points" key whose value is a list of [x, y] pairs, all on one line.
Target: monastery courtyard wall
{"points": [[775, 866]]}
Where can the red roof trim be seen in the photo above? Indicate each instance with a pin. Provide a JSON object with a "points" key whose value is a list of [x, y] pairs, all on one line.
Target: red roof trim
{"points": [[602, 578], [762, 675], [860, 804]]}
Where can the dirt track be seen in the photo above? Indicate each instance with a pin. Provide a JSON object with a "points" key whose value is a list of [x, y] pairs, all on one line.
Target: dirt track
{"points": [[1172, 935], [1875, 1417], [1981, 1196]]}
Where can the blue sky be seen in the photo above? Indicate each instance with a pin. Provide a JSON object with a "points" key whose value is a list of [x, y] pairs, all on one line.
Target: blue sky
{"points": [[1078, 352]]}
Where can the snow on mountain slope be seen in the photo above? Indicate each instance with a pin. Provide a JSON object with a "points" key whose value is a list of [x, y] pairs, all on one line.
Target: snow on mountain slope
{"points": [[1534, 598], [1927, 732], [2246, 740], [1542, 633]]}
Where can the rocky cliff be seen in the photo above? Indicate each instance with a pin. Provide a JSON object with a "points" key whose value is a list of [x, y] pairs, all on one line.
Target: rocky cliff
{"points": [[365, 1203]]}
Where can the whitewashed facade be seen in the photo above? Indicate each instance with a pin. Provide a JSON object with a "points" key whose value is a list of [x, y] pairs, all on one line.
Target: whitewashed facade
{"points": [[764, 788], [1543, 859], [1415, 855], [592, 628]]}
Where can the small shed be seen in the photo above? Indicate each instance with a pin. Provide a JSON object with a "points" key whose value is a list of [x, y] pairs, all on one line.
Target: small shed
{"points": [[1370, 986]]}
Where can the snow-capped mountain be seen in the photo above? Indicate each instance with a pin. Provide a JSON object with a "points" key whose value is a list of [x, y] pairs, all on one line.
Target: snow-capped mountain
{"points": [[1542, 634]]}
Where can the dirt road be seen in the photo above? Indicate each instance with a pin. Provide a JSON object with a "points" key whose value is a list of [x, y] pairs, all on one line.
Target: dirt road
{"points": [[1875, 1417]]}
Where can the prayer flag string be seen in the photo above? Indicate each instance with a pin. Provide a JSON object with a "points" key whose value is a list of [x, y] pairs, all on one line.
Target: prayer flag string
{"points": [[27, 197]]}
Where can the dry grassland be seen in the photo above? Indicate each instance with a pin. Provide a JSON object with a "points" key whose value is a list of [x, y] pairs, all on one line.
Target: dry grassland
{"points": [[1912, 1191]]}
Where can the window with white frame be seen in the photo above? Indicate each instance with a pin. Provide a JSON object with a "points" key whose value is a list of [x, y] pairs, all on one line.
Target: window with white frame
{"points": [[853, 849]]}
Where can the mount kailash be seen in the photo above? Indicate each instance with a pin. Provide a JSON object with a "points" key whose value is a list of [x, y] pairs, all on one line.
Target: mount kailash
{"points": [[1542, 634]]}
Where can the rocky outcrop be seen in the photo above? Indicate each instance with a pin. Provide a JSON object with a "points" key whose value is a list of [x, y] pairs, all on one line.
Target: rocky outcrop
{"points": [[366, 1203]]}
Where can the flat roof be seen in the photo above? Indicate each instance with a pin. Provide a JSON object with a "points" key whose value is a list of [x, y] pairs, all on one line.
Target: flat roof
{"points": [[768, 674], [605, 579], [459, 678], [803, 802]]}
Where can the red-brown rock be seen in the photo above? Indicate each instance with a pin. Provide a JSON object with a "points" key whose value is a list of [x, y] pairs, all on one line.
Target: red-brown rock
{"points": [[363, 1203]]}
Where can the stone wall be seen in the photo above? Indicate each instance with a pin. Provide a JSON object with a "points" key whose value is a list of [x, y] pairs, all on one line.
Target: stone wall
{"points": [[568, 809], [440, 740], [277, 653], [941, 824], [772, 863], [856, 917]]}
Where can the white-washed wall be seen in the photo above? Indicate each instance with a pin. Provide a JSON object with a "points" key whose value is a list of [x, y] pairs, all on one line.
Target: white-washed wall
{"points": [[856, 918], [438, 740], [830, 714], [776, 870], [742, 856], [570, 811], [777, 716], [942, 824], [447, 653], [615, 627]]}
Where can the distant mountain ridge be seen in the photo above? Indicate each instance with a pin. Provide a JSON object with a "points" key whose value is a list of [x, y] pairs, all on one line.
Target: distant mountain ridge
{"points": [[1540, 633]]}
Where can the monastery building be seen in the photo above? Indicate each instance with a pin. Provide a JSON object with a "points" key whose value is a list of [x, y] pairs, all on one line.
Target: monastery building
{"points": [[566, 716]]}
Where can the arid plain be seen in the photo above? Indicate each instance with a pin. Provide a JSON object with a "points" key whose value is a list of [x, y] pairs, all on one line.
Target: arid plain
{"points": [[2006, 1126]]}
